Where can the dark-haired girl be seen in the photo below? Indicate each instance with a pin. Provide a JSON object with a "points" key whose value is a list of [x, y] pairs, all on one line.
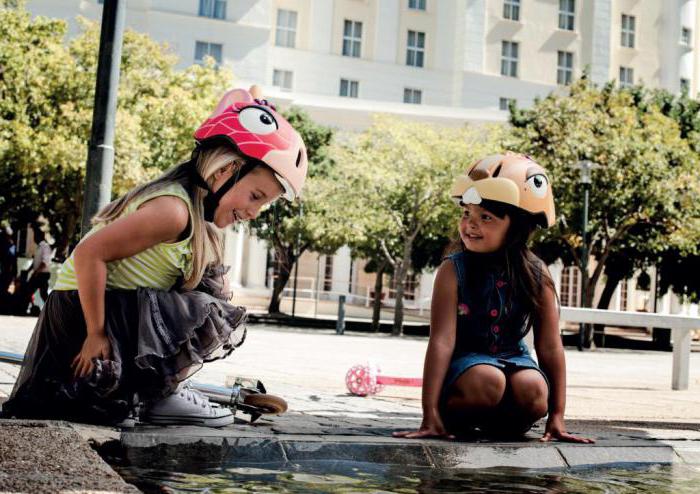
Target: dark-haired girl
{"points": [[479, 375]]}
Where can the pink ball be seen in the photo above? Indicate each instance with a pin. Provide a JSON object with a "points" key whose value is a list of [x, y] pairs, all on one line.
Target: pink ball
{"points": [[361, 380]]}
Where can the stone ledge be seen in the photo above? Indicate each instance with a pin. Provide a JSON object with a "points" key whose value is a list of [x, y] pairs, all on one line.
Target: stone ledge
{"points": [[165, 448]]}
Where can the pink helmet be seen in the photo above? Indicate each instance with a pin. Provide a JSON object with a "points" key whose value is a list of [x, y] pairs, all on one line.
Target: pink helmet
{"points": [[254, 128]]}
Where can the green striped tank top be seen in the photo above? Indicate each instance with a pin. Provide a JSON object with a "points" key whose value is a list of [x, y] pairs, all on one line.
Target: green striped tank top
{"points": [[156, 267]]}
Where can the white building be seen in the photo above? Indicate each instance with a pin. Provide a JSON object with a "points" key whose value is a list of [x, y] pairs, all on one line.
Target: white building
{"points": [[445, 61]]}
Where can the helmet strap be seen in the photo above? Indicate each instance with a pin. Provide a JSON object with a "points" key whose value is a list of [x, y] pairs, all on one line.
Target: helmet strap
{"points": [[211, 200]]}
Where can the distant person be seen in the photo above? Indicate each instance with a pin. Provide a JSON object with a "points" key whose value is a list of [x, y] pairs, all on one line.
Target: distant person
{"points": [[142, 301], [8, 260], [40, 269], [479, 377]]}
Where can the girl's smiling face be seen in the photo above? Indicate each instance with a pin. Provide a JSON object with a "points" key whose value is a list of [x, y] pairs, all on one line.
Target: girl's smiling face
{"points": [[482, 231], [245, 199]]}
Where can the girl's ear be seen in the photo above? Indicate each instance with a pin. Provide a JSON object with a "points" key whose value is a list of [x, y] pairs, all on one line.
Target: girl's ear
{"points": [[223, 170]]}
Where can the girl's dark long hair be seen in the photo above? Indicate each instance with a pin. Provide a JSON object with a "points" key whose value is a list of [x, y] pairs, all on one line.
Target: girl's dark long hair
{"points": [[527, 273]]}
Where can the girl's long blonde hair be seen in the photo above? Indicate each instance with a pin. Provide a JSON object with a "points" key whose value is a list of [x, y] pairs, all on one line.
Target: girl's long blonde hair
{"points": [[207, 240]]}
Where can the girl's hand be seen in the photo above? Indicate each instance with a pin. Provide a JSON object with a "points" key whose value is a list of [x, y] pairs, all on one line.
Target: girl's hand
{"points": [[96, 345], [431, 427], [555, 429]]}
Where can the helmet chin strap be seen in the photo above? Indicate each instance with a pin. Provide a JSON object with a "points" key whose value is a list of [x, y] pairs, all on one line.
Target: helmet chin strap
{"points": [[211, 200]]}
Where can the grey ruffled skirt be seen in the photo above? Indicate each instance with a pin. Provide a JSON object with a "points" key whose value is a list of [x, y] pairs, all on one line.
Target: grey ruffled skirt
{"points": [[158, 338]]}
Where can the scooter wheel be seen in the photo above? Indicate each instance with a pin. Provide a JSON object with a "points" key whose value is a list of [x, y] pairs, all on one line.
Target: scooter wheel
{"points": [[266, 404]]}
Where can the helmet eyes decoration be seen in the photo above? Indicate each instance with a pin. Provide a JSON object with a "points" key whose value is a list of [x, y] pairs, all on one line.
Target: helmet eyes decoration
{"points": [[509, 178], [257, 120], [538, 184], [256, 130]]}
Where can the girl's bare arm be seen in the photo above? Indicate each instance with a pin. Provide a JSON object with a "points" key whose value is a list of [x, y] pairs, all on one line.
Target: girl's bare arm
{"points": [[550, 351], [550, 354], [443, 320], [159, 220], [443, 330]]}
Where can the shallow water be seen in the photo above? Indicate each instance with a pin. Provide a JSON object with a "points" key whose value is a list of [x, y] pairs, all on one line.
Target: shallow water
{"points": [[354, 477]]}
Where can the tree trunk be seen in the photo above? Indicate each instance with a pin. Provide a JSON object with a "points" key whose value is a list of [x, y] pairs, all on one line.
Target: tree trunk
{"points": [[604, 302], [287, 263], [403, 266], [377, 302]]}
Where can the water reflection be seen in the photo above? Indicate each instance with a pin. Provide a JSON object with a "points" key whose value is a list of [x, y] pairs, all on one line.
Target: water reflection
{"points": [[354, 477]]}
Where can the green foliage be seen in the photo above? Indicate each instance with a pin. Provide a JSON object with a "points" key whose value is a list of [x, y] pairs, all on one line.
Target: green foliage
{"points": [[314, 222], [397, 175], [647, 186], [46, 103]]}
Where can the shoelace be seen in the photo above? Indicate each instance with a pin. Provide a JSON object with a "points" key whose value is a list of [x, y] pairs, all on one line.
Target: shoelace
{"points": [[193, 395]]}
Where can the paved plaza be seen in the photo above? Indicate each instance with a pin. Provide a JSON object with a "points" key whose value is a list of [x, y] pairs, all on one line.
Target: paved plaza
{"points": [[621, 398]]}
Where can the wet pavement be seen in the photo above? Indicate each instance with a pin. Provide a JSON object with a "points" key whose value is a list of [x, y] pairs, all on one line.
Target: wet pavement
{"points": [[621, 398]]}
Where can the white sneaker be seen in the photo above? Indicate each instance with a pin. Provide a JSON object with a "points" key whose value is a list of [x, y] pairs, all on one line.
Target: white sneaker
{"points": [[187, 406]]}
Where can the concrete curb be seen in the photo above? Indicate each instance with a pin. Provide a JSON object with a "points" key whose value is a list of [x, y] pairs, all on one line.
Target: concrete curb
{"points": [[172, 448], [53, 456]]}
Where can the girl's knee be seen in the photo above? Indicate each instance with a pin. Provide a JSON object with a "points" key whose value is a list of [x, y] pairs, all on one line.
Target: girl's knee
{"points": [[530, 393], [481, 386]]}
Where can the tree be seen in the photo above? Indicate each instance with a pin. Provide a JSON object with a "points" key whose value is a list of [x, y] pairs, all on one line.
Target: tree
{"points": [[645, 189], [312, 223], [401, 173], [46, 99]]}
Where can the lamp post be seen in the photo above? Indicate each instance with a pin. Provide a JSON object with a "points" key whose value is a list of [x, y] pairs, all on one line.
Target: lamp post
{"points": [[98, 175], [585, 166]]}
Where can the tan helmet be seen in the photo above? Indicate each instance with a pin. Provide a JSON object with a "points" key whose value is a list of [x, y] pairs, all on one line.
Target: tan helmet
{"points": [[511, 178]]}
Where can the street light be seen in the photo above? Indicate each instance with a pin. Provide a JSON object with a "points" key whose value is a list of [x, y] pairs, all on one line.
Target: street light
{"points": [[585, 166]]}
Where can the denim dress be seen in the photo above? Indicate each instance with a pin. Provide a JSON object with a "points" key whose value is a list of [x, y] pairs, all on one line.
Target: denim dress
{"points": [[491, 325]]}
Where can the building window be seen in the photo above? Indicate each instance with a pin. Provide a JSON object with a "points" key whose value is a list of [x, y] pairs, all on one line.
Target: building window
{"points": [[626, 76], [415, 51], [216, 9], [565, 67], [409, 286], [623, 295], [203, 49], [686, 36], [286, 32], [570, 286], [328, 275], [685, 85], [352, 38], [567, 9], [413, 96], [282, 79], [416, 4], [504, 103], [348, 88], [509, 59], [627, 31], [511, 10]]}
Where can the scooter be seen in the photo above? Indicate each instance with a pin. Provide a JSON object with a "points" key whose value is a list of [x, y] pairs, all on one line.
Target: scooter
{"points": [[243, 394]]}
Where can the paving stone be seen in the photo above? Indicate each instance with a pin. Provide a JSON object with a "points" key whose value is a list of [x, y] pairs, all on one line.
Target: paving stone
{"points": [[582, 455], [689, 451], [395, 453], [469, 456]]}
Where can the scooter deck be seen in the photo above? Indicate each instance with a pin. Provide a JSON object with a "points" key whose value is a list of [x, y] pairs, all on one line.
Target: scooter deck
{"points": [[11, 358], [224, 395]]}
